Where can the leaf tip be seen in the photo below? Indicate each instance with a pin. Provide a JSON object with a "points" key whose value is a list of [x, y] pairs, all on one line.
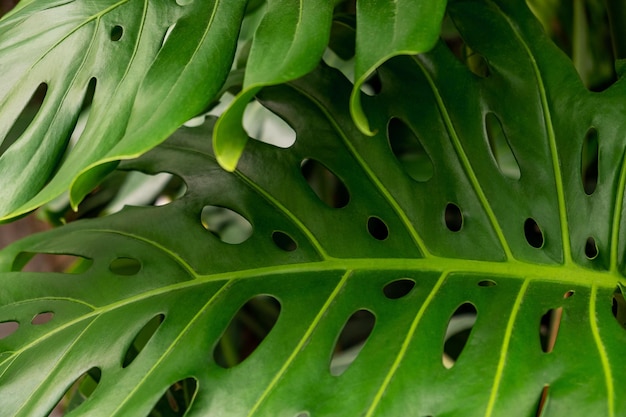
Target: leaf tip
{"points": [[356, 110]]}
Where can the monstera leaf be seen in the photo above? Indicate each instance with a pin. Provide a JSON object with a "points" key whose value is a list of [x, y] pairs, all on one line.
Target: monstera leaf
{"points": [[493, 187], [135, 71], [138, 70]]}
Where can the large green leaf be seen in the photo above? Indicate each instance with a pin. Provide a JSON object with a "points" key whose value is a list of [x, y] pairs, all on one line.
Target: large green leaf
{"points": [[514, 238], [155, 64]]}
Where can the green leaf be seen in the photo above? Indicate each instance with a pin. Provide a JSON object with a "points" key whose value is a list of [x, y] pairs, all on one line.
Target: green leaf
{"points": [[148, 61], [517, 250], [288, 43], [386, 29]]}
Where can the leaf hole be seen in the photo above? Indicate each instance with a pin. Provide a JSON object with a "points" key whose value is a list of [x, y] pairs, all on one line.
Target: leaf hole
{"points": [[82, 388], [533, 233], [267, 127], [351, 340], [549, 328], [46, 262], [409, 151], [501, 148], [457, 334], [453, 217], [589, 161], [618, 307], [25, 118], [303, 414], [326, 185], [227, 225], [250, 325], [177, 399], [373, 85], [474, 61], [568, 294], [42, 318], [141, 339], [477, 63], [125, 266], [487, 283], [377, 228], [398, 288], [284, 241], [543, 401], [184, 2], [141, 189], [116, 33], [167, 34], [7, 328], [591, 248]]}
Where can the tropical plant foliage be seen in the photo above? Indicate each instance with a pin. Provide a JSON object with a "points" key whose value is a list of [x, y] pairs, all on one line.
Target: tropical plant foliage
{"points": [[470, 222]]}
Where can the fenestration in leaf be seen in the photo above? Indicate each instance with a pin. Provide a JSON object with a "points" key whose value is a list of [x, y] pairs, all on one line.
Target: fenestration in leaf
{"points": [[155, 64], [341, 265]]}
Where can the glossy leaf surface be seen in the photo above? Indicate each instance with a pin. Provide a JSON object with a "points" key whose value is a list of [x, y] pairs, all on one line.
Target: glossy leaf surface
{"points": [[386, 29], [517, 250], [155, 64]]}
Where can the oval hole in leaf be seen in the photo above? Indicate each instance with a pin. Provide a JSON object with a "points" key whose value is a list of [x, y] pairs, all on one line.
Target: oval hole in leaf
{"points": [[568, 294], [373, 85], [543, 401], [167, 34], [284, 241], [453, 217], [141, 339], [42, 318], [589, 161], [351, 340], [549, 328], [474, 61], [326, 185], [409, 151], [619, 307], [116, 33], [398, 288], [591, 248], [7, 328], [487, 283], [377, 228], [533, 233], [501, 148], [82, 388], [25, 118], [228, 225], [458, 332], [46, 262], [303, 414], [177, 399], [246, 330], [477, 63], [265, 126], [125, 266]]}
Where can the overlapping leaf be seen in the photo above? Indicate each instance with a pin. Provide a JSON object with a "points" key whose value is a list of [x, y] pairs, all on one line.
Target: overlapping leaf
{"points": [[155, 64], [339, 259]]}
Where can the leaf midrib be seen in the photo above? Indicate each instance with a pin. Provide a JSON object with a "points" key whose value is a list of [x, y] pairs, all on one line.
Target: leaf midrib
{"points": [[571, 274]]}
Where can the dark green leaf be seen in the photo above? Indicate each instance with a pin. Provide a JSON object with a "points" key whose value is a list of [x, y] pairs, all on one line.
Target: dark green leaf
{"points": [[510, 252]]}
